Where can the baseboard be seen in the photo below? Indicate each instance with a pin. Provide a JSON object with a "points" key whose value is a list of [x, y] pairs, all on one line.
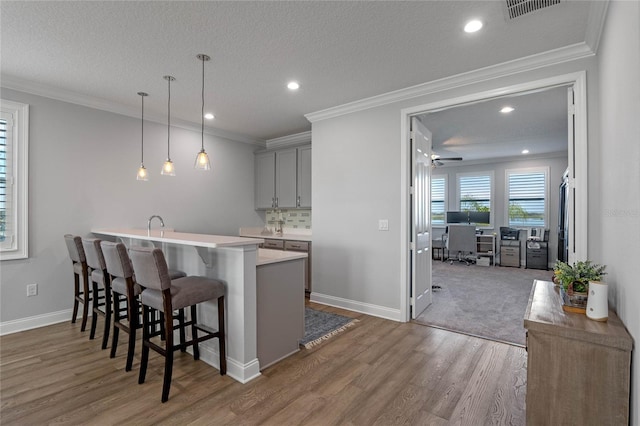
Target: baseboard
{"points": [[37, 321], [353, 305], [243, 373]]}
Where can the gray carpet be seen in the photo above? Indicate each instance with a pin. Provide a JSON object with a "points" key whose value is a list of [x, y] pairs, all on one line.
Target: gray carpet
{"points": [[482, 301], [320, 326]]}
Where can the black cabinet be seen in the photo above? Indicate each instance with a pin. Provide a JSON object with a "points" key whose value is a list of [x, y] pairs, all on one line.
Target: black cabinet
{"points": [[537, 255]]}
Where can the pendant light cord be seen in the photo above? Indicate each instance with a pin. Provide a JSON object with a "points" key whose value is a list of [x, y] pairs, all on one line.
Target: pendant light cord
{"points": [[142, 133], [169, 119], [202, 112]]}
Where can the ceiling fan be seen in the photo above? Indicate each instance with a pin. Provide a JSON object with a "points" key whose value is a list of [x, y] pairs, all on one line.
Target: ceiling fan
{"points": [[437, 161]]}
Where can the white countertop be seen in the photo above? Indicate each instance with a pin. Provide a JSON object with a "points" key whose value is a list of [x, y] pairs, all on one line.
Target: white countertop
{"points": [[266, 256], [197, 240], [304, 235]]}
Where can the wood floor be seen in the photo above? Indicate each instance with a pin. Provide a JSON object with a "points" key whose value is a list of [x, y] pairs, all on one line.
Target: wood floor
{"points": [[379, 372]]}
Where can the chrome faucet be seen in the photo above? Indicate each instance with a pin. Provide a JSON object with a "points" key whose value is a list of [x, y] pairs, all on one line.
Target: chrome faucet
{"points": [[149, 222]]}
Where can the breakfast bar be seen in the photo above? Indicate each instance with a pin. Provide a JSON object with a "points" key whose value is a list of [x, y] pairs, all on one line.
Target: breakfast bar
{"points": [[232, 260]]}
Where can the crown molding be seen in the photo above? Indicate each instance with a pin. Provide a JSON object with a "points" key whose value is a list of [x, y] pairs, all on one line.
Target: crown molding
{"points": [[528, 63], [290, 140], [21, 85], [595, 23]]}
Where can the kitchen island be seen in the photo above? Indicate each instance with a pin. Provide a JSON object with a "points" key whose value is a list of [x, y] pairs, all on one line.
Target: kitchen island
{"points": [[233, 260]]}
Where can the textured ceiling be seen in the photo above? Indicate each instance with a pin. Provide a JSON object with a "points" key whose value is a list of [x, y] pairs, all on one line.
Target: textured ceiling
{"points": [[479, 131], [338, 51]]}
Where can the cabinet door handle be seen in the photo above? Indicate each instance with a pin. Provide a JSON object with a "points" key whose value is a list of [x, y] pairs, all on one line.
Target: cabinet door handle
{"points": [[273, 202], [276, 201], [298, 202]]}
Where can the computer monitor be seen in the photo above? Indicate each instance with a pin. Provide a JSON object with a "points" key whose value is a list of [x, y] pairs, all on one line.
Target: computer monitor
{"points": [[457, 217], [479, 217]]}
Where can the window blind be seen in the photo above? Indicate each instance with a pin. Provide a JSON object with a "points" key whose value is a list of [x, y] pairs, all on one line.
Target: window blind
{"points": [[527, 199], [438, 200], [7, 203], [475, 192]]}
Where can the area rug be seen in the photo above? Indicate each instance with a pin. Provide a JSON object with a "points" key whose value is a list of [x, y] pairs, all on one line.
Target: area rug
{"points": [[320, 326], [481, 301]]}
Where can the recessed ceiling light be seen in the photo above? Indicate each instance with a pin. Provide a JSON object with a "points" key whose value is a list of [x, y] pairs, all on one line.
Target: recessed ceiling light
{"points": [[525, 151], [293, 85], [472, 26], [209, 116], [507, 110]]}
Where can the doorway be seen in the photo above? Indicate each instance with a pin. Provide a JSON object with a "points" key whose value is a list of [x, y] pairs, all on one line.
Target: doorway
{"points": [[577, 150]]}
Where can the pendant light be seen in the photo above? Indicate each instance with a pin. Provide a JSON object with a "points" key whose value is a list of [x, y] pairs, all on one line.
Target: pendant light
{"points": [[142, 172], [202, 159], [167, 167]]}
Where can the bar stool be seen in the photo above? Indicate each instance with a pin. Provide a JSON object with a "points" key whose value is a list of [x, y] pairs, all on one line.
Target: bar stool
{"points": [[80, 269], [161, 293], [101, 287], [125, 291]]}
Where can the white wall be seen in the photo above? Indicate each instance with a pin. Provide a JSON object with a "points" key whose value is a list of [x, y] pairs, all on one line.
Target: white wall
{"points": [[357, 180], [556, 165], [82, 167], [619, 61]]}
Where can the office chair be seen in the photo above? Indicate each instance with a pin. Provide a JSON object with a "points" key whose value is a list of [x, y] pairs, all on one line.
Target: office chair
{"points": [[462, 241]]}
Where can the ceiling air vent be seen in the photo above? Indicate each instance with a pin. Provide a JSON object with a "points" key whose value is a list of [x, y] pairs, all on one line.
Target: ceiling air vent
{"points": [[516, 8]]}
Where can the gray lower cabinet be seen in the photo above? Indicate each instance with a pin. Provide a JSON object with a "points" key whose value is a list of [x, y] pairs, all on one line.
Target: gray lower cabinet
{"points": [[293, 245], [510, 255], [537, 255], [280, 310]]}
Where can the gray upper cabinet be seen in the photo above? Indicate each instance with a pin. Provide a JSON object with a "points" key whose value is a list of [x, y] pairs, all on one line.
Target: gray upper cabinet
{"points": [[286, 171], [304, 177], [265, 182], [283, 178]]}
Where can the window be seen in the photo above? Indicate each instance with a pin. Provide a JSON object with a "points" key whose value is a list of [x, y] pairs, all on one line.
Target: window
{"points": [[475, 193], [14, 125], [527, 192], [438, 200]]}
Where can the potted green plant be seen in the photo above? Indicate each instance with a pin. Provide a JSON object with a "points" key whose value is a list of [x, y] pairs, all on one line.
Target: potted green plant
{"points": [[574, 279]]}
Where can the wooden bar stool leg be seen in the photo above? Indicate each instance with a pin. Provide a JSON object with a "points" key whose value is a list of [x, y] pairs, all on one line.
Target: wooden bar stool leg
{"points": [[168, 356], [116, 319], [76, 297], [107, 314], [94, 309], [144, 358], [85, 296], [194, 332], [183, 337], [133, 326], [221, 337]]}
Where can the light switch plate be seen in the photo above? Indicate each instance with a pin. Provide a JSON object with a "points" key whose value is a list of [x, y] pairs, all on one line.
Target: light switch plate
{"points": [[383, 225]]}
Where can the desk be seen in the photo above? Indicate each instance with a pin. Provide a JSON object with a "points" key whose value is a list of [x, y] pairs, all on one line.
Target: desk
{"points": [[486, 247]]}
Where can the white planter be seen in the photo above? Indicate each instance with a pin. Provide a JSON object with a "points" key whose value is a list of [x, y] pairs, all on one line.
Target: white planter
{"points": [[597, 303]]}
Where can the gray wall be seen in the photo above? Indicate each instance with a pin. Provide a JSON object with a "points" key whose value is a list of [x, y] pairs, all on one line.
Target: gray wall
{"points": [[82, 168], [357, 180], [619, 208], [556, 165]]}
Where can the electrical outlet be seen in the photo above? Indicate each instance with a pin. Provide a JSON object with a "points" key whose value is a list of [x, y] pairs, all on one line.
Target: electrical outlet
{"points": [[32, 290], [383, 225]]}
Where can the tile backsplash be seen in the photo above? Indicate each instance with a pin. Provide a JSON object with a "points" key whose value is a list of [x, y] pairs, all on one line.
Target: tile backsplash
{"points": [[293, 219]]}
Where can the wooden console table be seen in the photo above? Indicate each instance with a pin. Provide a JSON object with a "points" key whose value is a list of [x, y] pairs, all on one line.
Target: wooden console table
{"points": [[578, 370]]}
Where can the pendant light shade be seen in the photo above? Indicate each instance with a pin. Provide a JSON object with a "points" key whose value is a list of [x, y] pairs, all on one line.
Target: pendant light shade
{"points": [[202, 159], [168, 168], [142, 171]]}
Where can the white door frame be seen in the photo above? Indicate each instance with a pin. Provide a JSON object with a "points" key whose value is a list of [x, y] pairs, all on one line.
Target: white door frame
{"points": [[579, 82]]}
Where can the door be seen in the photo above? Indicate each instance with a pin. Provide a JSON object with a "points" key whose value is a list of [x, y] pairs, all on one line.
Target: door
{"points": [[420, 196]]}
